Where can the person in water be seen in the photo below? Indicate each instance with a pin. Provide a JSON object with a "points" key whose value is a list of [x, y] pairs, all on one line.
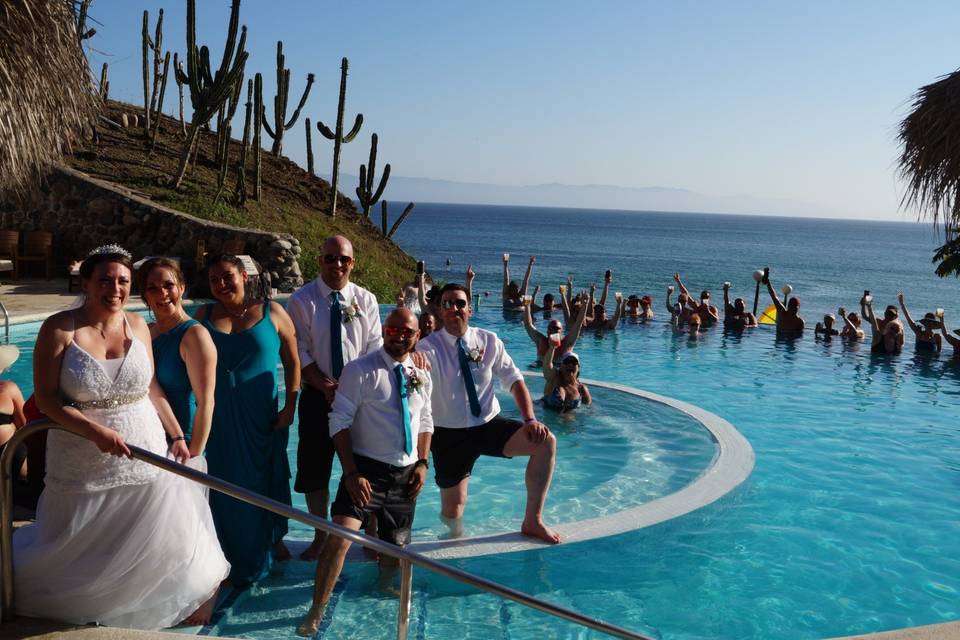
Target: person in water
{"points": [[852, 330], [513, 293], [926, 340], [562, 389], [887, 338], [826, 329], [554, 335], [789, 322], [953, 341], [736, 316], [709, 315]]}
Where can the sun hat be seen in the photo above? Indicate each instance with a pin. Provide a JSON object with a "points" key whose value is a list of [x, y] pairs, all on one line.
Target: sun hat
{"points": [[929, 318], [8, 355]]}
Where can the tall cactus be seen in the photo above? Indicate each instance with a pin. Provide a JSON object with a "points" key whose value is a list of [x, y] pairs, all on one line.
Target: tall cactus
{"points": [[145, 43], [225, 118], [163, 91], [338, 137], [365, 193], [307, 130], [209, 91], [178, 76], [257, 125], [241, 189], [396, 225], [81, 21], [104, 83], [280, 122], [157, 45]]}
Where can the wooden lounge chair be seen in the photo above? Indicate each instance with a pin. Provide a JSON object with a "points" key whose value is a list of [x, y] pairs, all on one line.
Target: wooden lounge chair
{"points": [[37, 247], [9, 248]]}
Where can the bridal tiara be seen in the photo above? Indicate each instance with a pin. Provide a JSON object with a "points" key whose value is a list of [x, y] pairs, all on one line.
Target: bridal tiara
{"points": [[106, 249]]}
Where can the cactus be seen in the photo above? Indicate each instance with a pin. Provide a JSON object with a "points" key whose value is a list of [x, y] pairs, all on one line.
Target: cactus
{"points": [[177, 73], [223, 154], [104, 83], [209, 91], [280, 122], [157, 45], [257, 125], [163, 91], [152, 82], [225, 117], [396, 225], [338, 137], [306, 129], [365, 193], [241, 189], [145, 41], [81, 23]]}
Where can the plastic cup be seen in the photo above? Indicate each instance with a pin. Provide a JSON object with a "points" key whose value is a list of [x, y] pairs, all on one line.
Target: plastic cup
{"points": [[618, 295], [939, 312], [670, 288], [868, 299], [726, 285], [563, 288], [506, 256]]}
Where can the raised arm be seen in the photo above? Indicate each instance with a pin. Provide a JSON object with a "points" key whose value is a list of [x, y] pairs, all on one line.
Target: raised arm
{"points": [[506, 276], [615, 321], [683, 289], [874, 325], [607, 279], [727, 307], [526, 276], [669, 295], [422, 292], [774, 296], [573, 334], [906, 314], [469, 282], [549, 373], [954, 341], [528, 325], [565, 305]]}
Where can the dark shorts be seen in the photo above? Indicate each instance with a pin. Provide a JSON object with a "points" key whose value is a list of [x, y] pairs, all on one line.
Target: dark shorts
{"points": [[456, 450], [389, 501], [315, 450]]}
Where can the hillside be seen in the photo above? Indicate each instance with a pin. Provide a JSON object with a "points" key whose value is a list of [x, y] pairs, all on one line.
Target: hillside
{"points": [[293, 201]]}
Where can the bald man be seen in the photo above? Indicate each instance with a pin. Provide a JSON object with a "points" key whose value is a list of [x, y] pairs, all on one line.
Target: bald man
{"points": [[382, 425], [336, 322]]}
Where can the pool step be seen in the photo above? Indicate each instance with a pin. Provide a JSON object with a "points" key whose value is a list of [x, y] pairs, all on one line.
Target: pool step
{"points": [[36, 629]]}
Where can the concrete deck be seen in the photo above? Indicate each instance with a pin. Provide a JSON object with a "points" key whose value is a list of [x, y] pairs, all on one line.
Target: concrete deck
{"points": [[35, 298]]}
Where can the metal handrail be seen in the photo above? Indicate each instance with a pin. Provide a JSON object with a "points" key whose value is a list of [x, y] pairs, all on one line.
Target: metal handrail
{"points": [[406, 558], [6, 323]]}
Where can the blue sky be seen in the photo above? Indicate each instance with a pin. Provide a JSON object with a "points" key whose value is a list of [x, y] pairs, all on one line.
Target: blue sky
{"points": [[799, 101]]}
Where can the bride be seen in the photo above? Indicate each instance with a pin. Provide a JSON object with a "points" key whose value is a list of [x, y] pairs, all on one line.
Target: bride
{"points": [[117, 541]]}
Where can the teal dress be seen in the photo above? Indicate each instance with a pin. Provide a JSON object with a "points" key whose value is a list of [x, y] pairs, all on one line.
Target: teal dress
{"points": [[172, 375], [243, 447]]}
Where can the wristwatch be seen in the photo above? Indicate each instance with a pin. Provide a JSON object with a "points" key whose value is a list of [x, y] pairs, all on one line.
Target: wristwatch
{"points": [[423, 461]]}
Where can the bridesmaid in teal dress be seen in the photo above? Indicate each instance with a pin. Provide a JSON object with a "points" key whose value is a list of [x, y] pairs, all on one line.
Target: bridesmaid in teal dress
{"points": [[184, 355], [248, 441]]}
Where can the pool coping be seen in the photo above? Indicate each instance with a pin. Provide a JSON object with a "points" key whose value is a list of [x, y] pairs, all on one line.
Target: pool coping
{"points": [[730, 467]]}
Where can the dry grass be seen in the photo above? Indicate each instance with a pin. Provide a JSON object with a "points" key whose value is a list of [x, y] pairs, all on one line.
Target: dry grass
{"points": [[45, 90]]}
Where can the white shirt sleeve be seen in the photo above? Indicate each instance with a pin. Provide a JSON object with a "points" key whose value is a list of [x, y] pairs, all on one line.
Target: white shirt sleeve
{"points": [[347, 400], [302, 325], [375, 333], [503, 366], [426, 411]]}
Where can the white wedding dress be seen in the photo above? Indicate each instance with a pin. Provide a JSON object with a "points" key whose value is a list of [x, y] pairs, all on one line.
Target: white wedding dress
{"points": [[116, 541]]}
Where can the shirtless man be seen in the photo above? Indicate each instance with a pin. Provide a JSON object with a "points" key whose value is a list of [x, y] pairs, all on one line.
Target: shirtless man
{"points": [[789, 322]]}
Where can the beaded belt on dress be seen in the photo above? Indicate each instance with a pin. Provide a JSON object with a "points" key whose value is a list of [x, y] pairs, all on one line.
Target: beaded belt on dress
{"points": [[108, 403]]}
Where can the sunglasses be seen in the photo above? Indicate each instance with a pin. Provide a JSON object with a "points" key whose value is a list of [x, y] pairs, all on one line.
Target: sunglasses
{"points": [[459, 303], [331, 259], [403, 332]]}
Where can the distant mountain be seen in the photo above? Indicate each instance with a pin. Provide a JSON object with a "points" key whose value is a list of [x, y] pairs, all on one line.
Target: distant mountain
{"points": [[588, 196]]}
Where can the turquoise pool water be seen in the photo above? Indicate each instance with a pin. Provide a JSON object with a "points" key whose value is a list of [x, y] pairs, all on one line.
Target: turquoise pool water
{"points": [[847, 525]]}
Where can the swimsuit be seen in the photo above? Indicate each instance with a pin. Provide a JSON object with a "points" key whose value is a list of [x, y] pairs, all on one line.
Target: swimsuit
{"points": [[554, 401]]}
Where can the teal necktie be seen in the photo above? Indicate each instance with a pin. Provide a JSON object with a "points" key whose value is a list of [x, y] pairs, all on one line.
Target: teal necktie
{"points": [[468, 378], [404, 409], [336, 335]]}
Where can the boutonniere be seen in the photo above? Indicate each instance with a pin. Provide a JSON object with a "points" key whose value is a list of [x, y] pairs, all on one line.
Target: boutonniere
{"points": [[414, 381], [351, 311], [476, 355]]}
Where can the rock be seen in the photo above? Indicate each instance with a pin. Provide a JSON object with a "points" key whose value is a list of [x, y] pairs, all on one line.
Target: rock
{"points": [[124, 121], [100, 207], [130, 220], [281, 244]]}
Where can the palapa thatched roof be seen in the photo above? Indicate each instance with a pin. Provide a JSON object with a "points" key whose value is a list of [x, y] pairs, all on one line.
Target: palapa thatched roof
{"points": [[930, 160], [45, 89]]}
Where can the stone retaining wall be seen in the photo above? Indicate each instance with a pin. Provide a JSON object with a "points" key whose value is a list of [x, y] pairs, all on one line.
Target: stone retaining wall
{"points": [[84, 212]]}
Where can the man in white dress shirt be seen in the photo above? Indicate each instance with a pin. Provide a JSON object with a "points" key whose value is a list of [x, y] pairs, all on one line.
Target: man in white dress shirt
{"points": [[336, 322], [381, 424], [464, 361]]}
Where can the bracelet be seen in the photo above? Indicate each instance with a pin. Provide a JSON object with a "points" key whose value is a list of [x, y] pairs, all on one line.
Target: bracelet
{"points": [[350, 475], [529, 420], [184, 438], [423, 461]]}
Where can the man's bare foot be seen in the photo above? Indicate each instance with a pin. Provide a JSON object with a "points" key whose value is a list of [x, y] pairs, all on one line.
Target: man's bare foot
{"points": [[313, 551], [539, 530], [311, 622], [280, 552], [203, 613], [454, 527]]}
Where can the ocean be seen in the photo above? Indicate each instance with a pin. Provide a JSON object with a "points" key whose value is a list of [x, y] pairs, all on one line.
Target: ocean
{"points": [[827, 262]]}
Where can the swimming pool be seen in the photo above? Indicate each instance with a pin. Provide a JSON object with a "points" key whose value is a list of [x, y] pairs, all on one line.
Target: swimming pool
{"points": [[847, 525]]}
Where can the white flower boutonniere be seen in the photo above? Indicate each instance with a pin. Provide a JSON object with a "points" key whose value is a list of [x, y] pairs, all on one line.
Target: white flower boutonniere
{"points": [[476, 355], [414, 381], [351, 311]]}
